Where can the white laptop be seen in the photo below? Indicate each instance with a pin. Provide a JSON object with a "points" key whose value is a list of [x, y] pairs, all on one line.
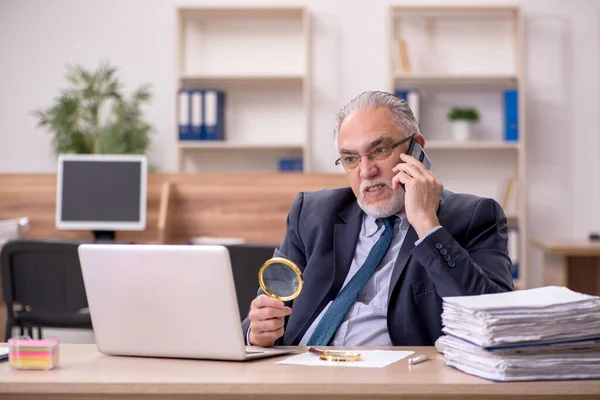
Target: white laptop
{"points": [[176, 301]]}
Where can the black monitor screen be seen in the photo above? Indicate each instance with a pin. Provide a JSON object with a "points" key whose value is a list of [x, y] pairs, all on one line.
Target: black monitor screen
{"points": [[101, 191]]}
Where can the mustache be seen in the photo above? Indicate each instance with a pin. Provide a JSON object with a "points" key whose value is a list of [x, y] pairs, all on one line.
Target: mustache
{"points": [[382, 181]]}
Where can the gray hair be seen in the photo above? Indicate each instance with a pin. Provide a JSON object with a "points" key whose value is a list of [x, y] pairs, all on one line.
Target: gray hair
{"points": [[401, 112]]}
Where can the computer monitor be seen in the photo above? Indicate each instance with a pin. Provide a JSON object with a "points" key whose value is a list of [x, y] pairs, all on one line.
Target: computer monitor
{"points": [[101, 193]]}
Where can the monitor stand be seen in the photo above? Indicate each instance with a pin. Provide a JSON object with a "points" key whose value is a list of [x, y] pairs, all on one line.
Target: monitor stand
{"points": [[104, 236]]}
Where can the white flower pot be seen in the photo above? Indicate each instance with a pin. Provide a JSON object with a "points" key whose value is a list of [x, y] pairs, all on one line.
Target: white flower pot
{"points": [[461, 130]]}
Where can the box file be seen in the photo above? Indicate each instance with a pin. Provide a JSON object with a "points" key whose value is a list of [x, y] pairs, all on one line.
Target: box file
{"points": [[214, 115], [184, 111]]}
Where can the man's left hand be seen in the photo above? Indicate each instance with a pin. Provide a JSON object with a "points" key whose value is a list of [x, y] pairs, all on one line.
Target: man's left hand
{"points": [[423, 192]]}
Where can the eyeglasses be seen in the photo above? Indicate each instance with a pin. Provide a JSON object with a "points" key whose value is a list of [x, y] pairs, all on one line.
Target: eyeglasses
{"points": [[351, 161]]}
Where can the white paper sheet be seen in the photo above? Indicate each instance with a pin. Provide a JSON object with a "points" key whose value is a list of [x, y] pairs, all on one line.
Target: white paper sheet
{"points": [[369, 359], [549, 297]]}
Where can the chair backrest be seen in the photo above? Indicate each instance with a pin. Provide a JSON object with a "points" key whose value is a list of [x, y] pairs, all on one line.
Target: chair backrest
{"points": [[13, 229], [246, 260], [44, 275]]}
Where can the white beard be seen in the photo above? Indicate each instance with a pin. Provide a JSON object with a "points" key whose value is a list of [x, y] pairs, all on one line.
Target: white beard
{"points": [[393, 205]]}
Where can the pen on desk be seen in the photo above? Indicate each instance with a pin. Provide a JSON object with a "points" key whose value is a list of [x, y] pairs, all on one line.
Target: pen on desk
{"points": [[418, 359]]}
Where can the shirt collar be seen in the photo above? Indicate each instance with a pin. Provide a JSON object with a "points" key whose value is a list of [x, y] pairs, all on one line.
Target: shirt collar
{"points": [[371, 225]]}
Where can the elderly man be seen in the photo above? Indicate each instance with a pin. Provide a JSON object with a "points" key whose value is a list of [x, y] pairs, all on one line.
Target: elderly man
{"points": [[377, 258]]}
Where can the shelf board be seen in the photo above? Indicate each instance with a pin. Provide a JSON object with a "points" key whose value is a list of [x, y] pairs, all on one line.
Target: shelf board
{"points": [[266, 78], [455, 11], [216, 145], [471, 145], [453, 79], [234, 11]]}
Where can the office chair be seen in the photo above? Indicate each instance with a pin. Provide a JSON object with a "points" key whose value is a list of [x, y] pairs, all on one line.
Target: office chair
{"points": [[43, 285], [246, 260]]}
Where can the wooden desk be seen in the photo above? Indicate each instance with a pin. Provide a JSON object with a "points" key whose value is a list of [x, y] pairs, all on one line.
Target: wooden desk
{"points": [[571, 263], [85, 373]]}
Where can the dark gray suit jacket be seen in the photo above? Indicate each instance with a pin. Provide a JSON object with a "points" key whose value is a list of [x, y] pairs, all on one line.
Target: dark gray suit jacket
{"points": [[467, 256]]}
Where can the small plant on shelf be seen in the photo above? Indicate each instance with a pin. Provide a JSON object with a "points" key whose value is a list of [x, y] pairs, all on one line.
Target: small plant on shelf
{"points": [[463, 114], [93, 116], [462, 119]]}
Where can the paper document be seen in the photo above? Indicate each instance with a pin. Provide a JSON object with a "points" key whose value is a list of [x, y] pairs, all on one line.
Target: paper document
{"points": [[548, 333], [577, 360], [545, 297], [369, 359], [547, 314]]}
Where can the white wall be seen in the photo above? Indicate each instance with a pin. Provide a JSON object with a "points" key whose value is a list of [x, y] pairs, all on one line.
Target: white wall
{"points": [[39, 37]]}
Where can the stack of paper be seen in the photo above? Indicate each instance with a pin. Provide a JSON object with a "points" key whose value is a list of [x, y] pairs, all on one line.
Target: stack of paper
{"points": [[544, 333]]}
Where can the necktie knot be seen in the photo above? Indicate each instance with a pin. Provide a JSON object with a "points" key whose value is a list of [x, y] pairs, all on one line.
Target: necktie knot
{"points": [[388, 222]]}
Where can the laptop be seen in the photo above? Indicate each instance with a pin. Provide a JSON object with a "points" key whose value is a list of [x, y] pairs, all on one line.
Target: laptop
{"points": [[175, 301]]}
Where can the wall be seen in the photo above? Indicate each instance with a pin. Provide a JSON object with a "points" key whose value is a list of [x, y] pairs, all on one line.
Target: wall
{"points": [[38, 38]]}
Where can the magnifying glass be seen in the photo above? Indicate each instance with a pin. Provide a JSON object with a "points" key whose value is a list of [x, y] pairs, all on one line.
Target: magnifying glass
{"points": [[280, 278]]}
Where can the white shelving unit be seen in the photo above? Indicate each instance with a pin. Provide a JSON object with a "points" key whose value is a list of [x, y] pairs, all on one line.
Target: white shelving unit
{"points": [[260, 58], [472, 144], [225, 145], [467, 56], [455, 79]]}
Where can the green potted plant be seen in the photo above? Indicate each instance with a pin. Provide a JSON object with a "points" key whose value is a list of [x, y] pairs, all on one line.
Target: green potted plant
{"points": [[93, 116], [462, 119]]}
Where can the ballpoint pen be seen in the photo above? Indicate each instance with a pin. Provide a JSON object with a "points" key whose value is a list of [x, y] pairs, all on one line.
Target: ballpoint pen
{"points": [[418, 359]]}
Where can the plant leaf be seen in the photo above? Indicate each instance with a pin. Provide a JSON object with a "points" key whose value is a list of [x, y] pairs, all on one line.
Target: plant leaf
{"points": [[75, 117]]}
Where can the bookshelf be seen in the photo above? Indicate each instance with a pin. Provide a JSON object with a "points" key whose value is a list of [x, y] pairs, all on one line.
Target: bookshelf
{"points": [[260, 58], [467, 57]]}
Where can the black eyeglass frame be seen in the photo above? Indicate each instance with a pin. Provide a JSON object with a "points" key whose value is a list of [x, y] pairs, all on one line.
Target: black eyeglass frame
{"points": [[392, 147]]}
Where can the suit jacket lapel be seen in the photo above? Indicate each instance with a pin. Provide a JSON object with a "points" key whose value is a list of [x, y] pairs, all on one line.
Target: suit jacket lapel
{"points": [[345, 237], [405, 251]]}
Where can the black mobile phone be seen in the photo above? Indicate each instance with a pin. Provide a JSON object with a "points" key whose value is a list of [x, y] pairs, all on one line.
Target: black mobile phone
{"points": [[415, 150]]}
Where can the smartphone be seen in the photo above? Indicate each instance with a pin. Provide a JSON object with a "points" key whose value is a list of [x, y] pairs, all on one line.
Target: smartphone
{"points": [[415, 150]]}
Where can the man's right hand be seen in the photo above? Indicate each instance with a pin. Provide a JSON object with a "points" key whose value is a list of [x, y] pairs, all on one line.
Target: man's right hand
{"points": [[267, 320]]}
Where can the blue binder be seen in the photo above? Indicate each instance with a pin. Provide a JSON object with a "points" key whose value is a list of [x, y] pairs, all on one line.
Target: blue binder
{"points": [[412, 98], [184, 105], [290, 165], [511, 115], [197, 115], [402, 94], [214, 115]]}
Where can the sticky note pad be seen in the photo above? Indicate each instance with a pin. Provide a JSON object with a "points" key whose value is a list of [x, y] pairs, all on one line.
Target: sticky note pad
{"points": [[26, 353]]}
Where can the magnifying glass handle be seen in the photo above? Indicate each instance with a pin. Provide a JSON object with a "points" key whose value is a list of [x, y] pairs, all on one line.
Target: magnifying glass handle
{"points": [[316, 351]]}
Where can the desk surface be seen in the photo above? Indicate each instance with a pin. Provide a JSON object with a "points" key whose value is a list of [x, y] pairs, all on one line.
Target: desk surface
{"points": [[86, 372], [568, 247]]}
